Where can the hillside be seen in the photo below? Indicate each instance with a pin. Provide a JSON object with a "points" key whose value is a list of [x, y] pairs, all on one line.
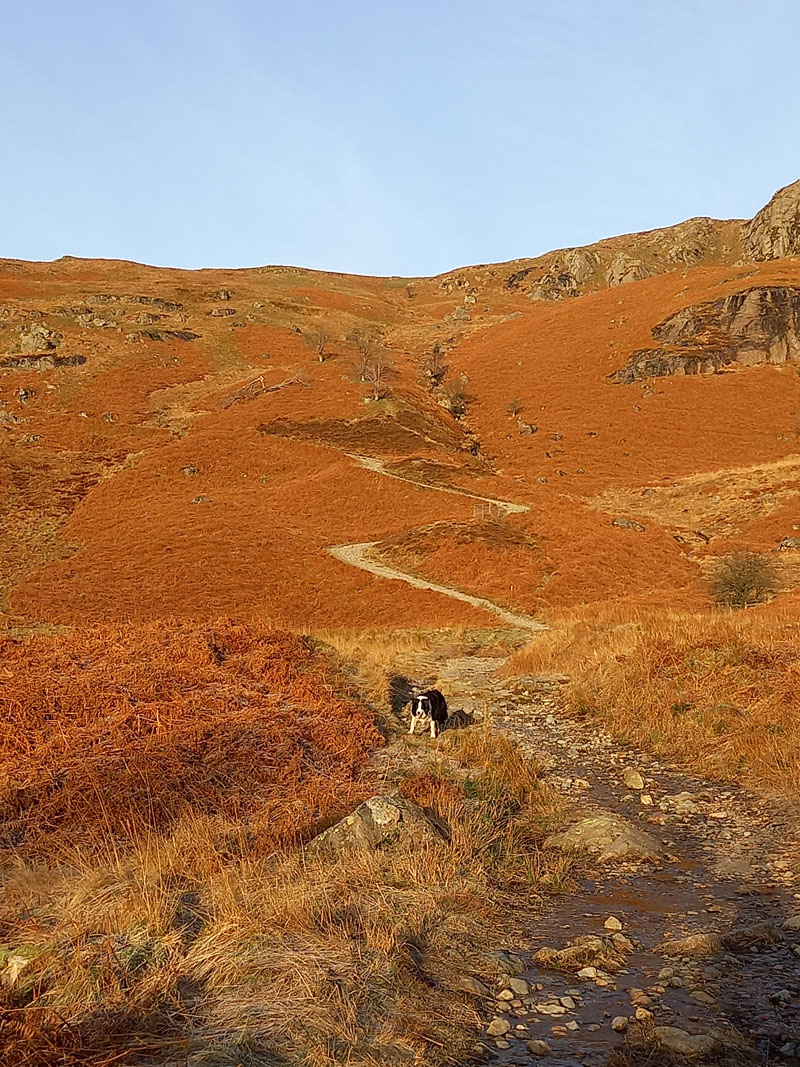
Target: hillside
{"points": [[172, 444]]}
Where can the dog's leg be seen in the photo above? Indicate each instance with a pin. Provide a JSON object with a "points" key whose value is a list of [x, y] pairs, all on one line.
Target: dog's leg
{"points": [[413, 723], [434, 728]]}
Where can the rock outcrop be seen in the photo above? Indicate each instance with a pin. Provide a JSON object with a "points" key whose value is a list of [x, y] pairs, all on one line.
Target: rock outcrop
{"points": [[775, 231], [380, 822], [758, 325], [567, 275], [625, 268], [43, 362], [772, 234], [38, 338]]}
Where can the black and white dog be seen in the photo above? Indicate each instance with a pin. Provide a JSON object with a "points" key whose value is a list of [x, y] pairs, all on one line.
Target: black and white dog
{"points": [[429, 707]]}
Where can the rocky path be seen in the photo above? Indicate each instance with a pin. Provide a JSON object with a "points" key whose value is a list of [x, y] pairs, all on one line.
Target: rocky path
{"points": [[697, 948]]}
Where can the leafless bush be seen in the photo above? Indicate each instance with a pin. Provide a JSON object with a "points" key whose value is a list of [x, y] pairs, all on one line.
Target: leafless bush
{"points": [[319, 338], [455, 398], [377, 371], [365, 341], [514, 406]]}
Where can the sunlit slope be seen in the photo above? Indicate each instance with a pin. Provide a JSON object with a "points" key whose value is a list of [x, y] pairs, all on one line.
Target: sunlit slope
{"points": [[171, 442]]}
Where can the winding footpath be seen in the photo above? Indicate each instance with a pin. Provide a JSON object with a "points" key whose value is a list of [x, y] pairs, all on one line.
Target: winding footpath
{"points": [[697, 944], [361, 554]]}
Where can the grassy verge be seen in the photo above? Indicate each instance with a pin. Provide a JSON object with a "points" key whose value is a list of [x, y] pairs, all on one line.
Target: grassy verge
{"points": [[185, 925], [718, 693]]}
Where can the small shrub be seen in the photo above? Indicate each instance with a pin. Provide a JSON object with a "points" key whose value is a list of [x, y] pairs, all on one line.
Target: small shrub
{"points": [[742, 579], [514, 406], [319, 338], [454, 397]]}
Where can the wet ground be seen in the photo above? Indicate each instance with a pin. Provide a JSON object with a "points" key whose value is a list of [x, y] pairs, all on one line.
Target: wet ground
{"points": [[730, 866]]}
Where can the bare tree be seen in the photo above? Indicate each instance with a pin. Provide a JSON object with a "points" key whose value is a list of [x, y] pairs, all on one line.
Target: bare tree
{"points": [[257, 387], [319, 338], [742, 579], [377, 370], [366, 343], [514, 406]]}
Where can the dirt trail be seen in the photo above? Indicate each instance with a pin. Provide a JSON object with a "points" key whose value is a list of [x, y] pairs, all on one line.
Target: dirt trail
{"points": [[359, 554], [731, 862], [371, 463]]}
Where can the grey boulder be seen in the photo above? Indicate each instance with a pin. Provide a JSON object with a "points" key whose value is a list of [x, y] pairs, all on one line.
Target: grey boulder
{"points": [[380, 822]]}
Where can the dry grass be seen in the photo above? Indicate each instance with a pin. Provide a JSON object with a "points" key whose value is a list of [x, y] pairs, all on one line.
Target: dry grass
{"points": [[369, 655], [177, 938], [110, 732], [716, 692]]}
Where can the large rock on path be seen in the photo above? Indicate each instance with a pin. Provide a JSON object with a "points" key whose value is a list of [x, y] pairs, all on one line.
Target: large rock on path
{"points": [[685, 1044], [695, 945], [380, 822], [606, 952], [610, 837]]}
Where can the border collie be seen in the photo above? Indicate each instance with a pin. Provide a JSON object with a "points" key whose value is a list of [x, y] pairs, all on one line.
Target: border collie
{"points": [[429, 707]]}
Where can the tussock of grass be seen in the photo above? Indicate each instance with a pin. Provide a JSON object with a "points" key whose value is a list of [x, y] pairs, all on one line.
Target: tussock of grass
{"points": [[718, 693]]}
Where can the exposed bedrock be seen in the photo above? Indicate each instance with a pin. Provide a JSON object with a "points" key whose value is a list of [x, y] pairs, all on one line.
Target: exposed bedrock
{"points": [[772, 234], [775, 231], [759, 325]]}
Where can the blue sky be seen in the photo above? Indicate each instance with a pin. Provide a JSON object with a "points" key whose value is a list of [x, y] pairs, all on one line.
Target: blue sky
{"points": [[385, 136]]}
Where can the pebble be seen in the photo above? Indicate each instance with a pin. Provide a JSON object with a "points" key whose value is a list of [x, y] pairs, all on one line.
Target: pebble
{"points": [[497, 1027], [701, 996], [612, 923], [619, 1023], [632, 779], [538, 1048], [519, 986], [473, 985], [567, 1002]]}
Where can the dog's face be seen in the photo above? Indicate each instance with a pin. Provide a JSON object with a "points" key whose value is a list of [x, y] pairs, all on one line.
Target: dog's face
{"points": [[421, 707]]}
